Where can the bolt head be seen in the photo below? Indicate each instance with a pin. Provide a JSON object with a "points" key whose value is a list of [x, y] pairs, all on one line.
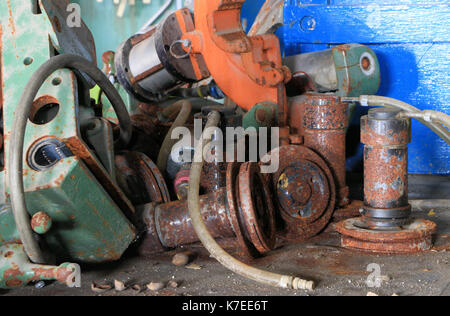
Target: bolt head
{"points": [[41, 223]]}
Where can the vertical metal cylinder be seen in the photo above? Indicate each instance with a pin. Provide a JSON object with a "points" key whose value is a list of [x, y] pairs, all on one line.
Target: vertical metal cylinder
{"points": [[386, 139], [174, 223], [325, 120], [213, 176]]}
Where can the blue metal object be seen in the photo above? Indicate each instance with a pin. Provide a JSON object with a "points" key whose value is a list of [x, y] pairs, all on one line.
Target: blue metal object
{"points": [[412, 42]]}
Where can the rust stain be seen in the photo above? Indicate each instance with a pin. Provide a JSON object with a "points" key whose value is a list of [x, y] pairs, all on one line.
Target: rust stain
{"points": [[80, 150]]}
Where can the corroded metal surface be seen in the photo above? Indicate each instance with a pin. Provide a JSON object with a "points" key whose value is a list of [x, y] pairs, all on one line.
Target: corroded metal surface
{"points": [[256, 208], [174, 223], [242, 210], [213, 176], [324, 120], [17, 271], [386, 141], [305, 192], [386, 225], [140, 179], [41, 222], [352, 210], [415, 237]]}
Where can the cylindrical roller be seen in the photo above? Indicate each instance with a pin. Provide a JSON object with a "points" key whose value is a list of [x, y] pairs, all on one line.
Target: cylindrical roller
{"points": [[386, 139], [174, 224], [386, 225], [149, 65], [325, 120]]}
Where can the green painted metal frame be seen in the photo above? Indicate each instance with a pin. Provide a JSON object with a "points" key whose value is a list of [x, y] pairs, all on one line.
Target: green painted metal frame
{"points": [[88, 224]]}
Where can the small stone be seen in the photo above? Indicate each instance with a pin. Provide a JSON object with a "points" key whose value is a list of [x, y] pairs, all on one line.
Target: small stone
{"points": [[385, 278], [119, 286], [100, 288], [155, 286], [137, 288], [172, 284], [181, 259], [193, 266], [372, 294]]}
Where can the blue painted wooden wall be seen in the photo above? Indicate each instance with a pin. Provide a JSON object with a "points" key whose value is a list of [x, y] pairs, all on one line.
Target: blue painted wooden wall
{"points": [[412, 41]]}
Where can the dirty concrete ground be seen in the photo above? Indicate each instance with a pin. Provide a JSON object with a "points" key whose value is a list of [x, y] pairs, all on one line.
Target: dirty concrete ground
{"points": [[337, 271]]}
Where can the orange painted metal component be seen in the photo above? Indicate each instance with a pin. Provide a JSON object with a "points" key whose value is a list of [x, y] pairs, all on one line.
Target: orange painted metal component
{"points": [[249, 70]]}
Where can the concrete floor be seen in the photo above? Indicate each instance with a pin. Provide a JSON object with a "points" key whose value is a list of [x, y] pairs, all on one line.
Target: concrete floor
{"points": [[337, 271]]}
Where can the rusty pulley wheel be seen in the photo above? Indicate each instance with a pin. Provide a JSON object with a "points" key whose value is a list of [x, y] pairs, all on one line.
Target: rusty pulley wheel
{"points": [[140, 179], [251, 208], [304, 191], [412, 238]]}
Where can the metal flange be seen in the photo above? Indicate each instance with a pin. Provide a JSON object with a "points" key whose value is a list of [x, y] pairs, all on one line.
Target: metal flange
{"points": [[304, 190], [251, 209], [412, 238]]}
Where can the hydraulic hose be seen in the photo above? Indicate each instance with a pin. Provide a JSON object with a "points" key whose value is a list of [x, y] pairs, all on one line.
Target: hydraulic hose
{"points": [[208, 241], [371, 100], [184, 109], [429, 116], [15, 167]]}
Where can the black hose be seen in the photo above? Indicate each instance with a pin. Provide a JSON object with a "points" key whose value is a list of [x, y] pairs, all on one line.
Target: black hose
{"points": [[15, 167]]}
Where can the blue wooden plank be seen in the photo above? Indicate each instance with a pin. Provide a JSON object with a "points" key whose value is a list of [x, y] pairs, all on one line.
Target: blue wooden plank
{"points": [[365, 24]]}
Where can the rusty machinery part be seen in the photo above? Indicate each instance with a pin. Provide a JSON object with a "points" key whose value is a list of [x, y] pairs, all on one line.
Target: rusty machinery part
{"points": [[386, 225], [15, 164], [412, 238], [345, 70], [242, 210], [140, 178], [324, 123], [354, 209], [214, 171], [149, 65], [208, 241], [386, 140], [248, 70], [305, 192]]}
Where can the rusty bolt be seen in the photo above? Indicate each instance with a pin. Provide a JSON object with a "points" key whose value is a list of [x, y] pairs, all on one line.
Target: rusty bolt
{"points": [[41, 223]]}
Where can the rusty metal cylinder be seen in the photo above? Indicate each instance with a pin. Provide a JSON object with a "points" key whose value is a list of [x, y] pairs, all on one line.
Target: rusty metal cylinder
{"points": [[174, 223], [386, 140], [242, 210], [324, 122]]}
